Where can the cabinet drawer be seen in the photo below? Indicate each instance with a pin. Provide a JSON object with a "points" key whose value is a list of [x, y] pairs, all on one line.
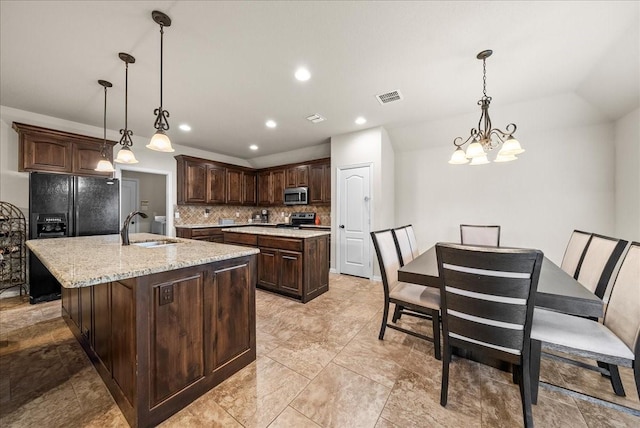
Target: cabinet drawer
{"points": [[280, 243], [208, 231], [240, 238]]}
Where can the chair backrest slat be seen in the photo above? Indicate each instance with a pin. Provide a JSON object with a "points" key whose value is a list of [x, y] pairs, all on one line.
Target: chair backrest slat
{"points": [[623, 311], [412, 241], [600, 258], [574, 253], [487, 296], [403, 245], [471, 234]]}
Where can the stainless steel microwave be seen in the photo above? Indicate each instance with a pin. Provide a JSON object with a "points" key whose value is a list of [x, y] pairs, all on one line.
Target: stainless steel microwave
{"points": [[296, 196]]}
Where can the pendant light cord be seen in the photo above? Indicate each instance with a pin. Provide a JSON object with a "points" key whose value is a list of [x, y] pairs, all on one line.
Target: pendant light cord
{"points": [[161, 62]]}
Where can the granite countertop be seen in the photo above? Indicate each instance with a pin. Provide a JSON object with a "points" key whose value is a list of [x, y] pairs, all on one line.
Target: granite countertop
{"points": [[283, 232], [90, 260], [204, 225]]}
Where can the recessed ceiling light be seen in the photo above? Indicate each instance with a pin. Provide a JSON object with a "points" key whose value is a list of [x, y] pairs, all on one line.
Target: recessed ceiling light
{"points": [[361, 120], [271, 123], [184, 127], [302, 74], [253, 147]]}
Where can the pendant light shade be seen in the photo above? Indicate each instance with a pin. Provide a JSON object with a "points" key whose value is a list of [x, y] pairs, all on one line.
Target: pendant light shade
{"points": [[125, 155], [104, 165], [160, 140], [458, 157]]}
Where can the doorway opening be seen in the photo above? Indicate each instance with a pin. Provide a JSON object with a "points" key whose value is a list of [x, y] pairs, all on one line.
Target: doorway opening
{"points": [[150, 191]]}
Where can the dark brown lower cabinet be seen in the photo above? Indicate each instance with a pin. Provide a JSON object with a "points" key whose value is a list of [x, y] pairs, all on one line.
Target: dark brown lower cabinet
{"points": [[162, 340], [296, 267]]}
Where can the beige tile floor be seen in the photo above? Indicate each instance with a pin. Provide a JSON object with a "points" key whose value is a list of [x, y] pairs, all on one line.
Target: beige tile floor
{"points": [[318, 365]]}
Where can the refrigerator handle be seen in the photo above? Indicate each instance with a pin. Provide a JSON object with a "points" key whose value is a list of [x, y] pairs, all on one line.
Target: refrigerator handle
{"points": [[73, 209]]}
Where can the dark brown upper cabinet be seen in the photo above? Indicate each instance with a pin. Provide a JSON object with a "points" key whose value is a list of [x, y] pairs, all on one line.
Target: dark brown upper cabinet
{"points": [[49, 150], [205, 182], [298, 176]]}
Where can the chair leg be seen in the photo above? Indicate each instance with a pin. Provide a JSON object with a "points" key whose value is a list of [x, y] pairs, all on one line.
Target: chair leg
{"points": [[384, 319], [636, 374], [396, 313], [515, 375], [444, 387], [616, 382], [525, 392], [534, 368], [435, 318]]}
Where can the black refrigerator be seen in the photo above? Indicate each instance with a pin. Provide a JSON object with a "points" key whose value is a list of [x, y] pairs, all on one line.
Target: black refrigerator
{"points": [[66, 206]]}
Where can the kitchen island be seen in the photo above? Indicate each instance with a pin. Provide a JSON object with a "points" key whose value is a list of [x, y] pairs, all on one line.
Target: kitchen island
{"points": [[163, 320], [292, 262]]}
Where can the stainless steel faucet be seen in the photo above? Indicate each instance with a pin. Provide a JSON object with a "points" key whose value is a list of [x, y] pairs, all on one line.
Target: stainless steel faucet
{"points": [[124, 232]]}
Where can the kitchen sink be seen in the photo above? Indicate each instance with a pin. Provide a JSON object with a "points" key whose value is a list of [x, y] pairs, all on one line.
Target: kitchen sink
{"points": [[156, 244]]}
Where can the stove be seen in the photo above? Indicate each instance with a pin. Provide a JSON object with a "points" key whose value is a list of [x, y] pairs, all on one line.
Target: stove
{"points": [[298, 219]]}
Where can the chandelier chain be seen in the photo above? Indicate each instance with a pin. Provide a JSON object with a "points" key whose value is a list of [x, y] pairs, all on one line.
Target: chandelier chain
{"points": [[484, 77]]}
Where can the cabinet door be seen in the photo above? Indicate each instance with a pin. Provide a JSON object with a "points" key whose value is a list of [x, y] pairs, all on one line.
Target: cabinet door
{"points": [[297, 176], [216, 184], [195, 178], [290, 271], [326, 184], [277, 179], [86, 157], [43, 153], [267, 267], [249, 188], [316, 181], [320, 184], [177, 335], [234, 187], [264, 188], [230, 316]]}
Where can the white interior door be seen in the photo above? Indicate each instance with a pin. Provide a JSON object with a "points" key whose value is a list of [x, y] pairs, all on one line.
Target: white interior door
{"points": [[354, 220], [129, 201]]}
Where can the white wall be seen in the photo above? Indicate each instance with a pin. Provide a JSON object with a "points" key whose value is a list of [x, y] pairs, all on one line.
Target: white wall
{"points": [[627, 176], [564, 181]]}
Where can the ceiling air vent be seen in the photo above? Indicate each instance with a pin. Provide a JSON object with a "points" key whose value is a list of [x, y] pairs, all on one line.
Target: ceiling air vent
{"points": [[316, 118], [389, 97]]}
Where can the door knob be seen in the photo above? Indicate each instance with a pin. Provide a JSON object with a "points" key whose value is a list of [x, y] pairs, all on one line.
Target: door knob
{"points": [[342, 226]]}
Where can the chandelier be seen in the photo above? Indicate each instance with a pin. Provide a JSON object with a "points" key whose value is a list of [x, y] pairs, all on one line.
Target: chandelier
{"points": [[485, 138], [160, 140], [104, 165], [125, 155]]}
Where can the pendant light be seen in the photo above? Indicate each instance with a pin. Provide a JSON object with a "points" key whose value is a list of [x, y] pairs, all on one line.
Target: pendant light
{"points": [[105, 164], [125, 155], [160, 140]]}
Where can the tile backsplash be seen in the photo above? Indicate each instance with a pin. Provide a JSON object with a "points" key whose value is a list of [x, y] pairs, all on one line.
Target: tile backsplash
{"points": [[196, 214]]}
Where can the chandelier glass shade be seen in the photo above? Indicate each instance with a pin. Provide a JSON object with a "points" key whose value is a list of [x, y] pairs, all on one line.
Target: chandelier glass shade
{"points": [[104, 165], [485, 138], [160, 141], [125, 154]]}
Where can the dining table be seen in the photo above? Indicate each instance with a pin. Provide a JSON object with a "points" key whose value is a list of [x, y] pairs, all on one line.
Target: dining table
{"points": [[557, 290]]}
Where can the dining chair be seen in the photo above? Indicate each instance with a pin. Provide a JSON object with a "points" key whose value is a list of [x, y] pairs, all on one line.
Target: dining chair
{"points": [[599, 260], [574, 253], [403, 244], [403, 237], [614, 342], [471, 234], [423, 302], [487, 300]]}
